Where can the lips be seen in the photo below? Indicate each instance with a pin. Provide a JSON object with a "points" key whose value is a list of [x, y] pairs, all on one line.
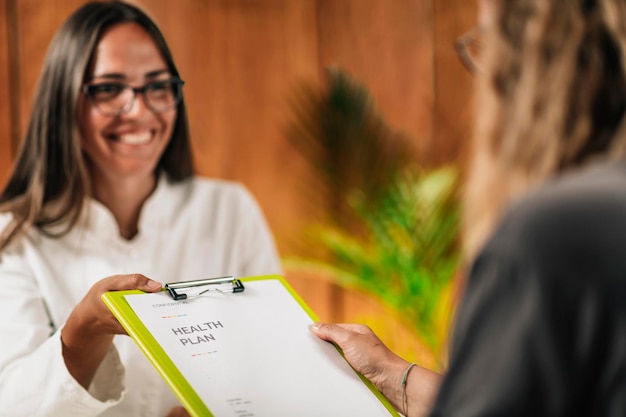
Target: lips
{"points": [[135, 138]]}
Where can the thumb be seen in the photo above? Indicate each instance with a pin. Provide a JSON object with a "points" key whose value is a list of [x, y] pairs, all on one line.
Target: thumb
{"points": [[142, 282], [329, 332], [130, 282]]}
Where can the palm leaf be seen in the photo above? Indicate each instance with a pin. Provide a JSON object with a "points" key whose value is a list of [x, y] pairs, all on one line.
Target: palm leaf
{"points": [[394, 225]]}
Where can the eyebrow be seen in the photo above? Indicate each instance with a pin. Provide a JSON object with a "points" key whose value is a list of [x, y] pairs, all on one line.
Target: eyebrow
{"points": [[121, 76]]}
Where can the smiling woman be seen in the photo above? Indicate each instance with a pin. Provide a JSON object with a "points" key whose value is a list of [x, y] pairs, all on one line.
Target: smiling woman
{"points": [[106, 163], [124, 136]]}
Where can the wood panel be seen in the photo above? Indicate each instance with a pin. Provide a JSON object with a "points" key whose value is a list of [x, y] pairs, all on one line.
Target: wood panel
{"points": [[453, 84], [250, 56], [6, 112], [388, 46], [37, 21]]}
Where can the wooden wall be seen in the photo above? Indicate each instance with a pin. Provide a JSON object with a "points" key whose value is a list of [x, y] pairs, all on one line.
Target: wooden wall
{"points": [[241, 61], [6, 99]]}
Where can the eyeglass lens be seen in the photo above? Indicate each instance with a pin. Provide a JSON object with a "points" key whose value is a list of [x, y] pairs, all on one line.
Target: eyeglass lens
{"points": [[116, 98], [468, 47]]}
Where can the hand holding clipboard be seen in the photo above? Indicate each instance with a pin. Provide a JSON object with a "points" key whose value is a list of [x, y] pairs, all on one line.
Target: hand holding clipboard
{"points": [[234, 347]]}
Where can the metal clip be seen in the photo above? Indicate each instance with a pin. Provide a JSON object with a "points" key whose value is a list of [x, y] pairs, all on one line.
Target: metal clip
{"points": [[202, 286]]}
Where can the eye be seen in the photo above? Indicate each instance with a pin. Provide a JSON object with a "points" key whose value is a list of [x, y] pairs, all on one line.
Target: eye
{"points": [[160, 86], [105, 91]]}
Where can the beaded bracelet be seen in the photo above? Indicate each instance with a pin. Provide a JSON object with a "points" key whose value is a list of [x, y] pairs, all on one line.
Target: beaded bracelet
{"points": [[403, 385]]}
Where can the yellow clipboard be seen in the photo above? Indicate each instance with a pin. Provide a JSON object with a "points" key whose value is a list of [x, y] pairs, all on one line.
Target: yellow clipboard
{"points": [[174, 360]]}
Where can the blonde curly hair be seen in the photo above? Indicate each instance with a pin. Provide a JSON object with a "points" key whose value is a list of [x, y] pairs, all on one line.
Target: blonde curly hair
{"points": [[551, 98]]}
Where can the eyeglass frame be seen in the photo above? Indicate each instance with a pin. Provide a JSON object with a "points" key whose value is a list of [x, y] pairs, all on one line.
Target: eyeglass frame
{"points": [[179, 83], [462, 44]]}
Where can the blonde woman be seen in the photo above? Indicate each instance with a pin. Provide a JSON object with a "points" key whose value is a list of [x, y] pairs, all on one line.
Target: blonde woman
{"points": [[541, 330]]}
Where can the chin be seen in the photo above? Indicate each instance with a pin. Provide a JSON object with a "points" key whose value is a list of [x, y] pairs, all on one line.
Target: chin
{"points": [[136, 170]]}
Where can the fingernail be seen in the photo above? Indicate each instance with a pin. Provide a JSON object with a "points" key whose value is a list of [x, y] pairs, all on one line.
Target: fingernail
{"points": [[154, 284], [316, 326]]}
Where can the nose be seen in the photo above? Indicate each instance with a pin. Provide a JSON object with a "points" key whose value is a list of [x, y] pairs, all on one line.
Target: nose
{"points": [[138, 106]]}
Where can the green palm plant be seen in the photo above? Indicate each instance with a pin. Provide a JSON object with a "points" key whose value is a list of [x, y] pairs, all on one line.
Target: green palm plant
{"points": [[394, 225]]}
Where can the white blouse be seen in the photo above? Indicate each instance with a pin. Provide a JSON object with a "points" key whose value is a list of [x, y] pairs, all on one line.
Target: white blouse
{"points": [[199, 228]]}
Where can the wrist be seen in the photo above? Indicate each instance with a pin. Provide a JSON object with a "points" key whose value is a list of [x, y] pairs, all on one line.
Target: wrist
{"points": [[83, 357], [389, 382], [404, 404]]}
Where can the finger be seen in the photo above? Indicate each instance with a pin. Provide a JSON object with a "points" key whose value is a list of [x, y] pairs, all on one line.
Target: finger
{"points": [[322, 329], [331, 332], [130, 282]]}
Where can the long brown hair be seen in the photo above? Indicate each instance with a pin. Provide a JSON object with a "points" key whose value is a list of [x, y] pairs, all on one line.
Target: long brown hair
{"points": [[49, 182], [552, 97]]}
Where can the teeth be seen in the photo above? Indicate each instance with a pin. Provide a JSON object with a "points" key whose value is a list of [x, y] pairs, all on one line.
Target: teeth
{"points": [[135, 138]]}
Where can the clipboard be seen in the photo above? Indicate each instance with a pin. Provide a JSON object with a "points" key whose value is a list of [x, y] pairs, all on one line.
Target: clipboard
{"points": [[185, 365]]}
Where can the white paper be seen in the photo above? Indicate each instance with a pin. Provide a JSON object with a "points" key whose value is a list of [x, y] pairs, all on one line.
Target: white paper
{"points": [[252, 354]]}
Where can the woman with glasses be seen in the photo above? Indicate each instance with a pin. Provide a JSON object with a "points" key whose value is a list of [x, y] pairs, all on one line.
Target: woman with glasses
{"points": [[101, 197], [541, 330]]}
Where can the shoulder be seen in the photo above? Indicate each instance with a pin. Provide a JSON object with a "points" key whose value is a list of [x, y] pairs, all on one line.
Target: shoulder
{"points": [[598, 188], [572, 203], [551, 276], [579, 213], [17, 243]]}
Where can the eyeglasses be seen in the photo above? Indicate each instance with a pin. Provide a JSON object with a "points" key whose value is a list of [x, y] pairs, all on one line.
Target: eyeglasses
{"points": [[468, 47], [114, 98]]}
